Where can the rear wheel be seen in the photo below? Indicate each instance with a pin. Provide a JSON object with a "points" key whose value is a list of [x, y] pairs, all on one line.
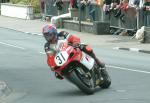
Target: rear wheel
{"points": [[106, 79], [82, 80]]}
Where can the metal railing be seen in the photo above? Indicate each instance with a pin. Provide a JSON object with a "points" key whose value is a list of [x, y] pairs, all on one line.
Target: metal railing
{"points": [[95, 13]]}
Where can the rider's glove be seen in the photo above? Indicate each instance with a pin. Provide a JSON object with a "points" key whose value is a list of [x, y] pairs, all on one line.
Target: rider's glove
{"points": [[81, 46]]}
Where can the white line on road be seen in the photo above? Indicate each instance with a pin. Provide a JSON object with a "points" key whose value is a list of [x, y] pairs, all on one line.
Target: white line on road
{"points": [[42, 53], [12, 45], [134, 70], [134, 49], [121, 68]]}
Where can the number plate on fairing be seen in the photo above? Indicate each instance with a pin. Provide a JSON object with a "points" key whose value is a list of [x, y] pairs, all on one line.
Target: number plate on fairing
{"points": [[61, 58]]}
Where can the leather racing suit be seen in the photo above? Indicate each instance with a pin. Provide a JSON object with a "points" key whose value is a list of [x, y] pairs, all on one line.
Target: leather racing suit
{"points": [[51, 50]]}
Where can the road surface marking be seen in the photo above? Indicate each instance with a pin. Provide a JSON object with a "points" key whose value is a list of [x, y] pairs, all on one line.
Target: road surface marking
{"points": [[121, 91], [134, 49], [42, 53], [134, 70], [122, 68], [12, 45]]}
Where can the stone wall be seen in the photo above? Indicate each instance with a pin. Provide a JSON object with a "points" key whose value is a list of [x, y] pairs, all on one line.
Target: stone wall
{"points": [[18, 11], [74, 25], [99, 28]]}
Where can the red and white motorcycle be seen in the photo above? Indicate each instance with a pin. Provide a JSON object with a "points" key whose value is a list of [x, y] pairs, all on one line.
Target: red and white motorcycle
{"points": [[80, 68]]}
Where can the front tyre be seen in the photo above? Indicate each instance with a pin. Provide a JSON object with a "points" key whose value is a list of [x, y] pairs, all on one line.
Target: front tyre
{"points": [[79, 77], [106, 79]]}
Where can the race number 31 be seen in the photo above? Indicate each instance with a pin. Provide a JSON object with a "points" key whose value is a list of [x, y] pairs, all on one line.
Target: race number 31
{"points": [[61, 58]]}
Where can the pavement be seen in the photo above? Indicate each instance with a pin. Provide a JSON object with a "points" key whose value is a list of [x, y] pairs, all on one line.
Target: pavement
{"points": [[34, 27]]}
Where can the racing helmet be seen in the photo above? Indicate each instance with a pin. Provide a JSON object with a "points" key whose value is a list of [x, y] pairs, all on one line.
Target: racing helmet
{"points": [[49, 32]]}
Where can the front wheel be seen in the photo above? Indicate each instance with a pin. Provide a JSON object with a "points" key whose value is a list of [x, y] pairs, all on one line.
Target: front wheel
{"points": [[81, 79], [106, 79]]}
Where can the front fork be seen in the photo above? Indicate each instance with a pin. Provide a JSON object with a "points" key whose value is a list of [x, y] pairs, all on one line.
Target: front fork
{"points": [[96, 74]]}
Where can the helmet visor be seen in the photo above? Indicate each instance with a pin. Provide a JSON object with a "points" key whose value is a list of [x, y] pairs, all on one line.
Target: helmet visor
{"points": [[48, 36]]}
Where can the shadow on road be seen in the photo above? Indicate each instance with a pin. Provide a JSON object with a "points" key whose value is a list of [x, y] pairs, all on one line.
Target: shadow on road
{"points": [[66, 93], [73, 92]]}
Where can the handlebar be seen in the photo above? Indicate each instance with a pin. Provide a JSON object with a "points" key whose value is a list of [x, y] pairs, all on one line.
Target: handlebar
{"points": [[80, 46]]}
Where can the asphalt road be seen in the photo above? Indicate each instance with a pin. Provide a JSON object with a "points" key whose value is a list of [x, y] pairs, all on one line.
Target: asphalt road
{"points": [[23, 67]]}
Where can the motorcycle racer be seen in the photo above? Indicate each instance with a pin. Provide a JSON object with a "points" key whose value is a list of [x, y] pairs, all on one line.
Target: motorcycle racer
{"points": [[52, 37]]}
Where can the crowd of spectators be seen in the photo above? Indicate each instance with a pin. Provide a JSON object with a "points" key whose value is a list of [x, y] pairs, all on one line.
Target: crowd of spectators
{"points": [[119, 9]]}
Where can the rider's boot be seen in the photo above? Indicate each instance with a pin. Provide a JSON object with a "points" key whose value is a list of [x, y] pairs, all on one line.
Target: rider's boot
{"points": [[58, 76]]}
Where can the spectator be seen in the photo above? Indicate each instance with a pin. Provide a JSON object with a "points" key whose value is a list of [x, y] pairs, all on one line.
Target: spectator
{"points": [[134, 3], [124, 5], [83, 4], [42, 4], [100, 2], [73, 4], [59, 5], [106, 7], [146, 5], [146, 8], [114, 4], [91, 9], [141, 3], [121, 9]]}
